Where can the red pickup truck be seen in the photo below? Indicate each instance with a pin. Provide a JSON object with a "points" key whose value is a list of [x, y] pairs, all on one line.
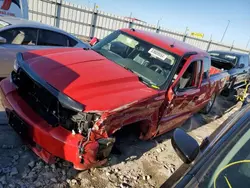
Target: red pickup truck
{"points": [[68, 103]]}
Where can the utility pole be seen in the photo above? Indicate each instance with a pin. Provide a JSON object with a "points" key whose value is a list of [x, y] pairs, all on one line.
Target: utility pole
{"points": [[158, 22], [225, 31], [186, 30], [248, 42]]}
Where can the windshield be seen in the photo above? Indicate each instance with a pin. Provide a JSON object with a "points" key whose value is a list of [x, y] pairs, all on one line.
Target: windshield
{"points": [[230, 165], [3, 24], [227, 57], [150, 63]]}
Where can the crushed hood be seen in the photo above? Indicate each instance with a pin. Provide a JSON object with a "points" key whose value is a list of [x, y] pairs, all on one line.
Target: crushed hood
{"points": [[87, 77]]}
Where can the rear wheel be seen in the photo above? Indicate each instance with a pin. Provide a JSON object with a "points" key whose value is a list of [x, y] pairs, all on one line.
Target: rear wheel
{"points": [[209, 105]]}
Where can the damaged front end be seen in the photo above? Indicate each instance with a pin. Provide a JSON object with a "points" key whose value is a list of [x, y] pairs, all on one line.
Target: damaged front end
{"points": [[57, 110]]}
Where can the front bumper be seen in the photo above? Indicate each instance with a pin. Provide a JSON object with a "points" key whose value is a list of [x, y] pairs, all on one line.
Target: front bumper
{"points": [[46, 141]]}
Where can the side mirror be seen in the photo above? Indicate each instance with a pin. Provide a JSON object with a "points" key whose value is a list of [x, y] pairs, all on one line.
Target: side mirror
{"points": [[2, 40], [93, 41], [185, 146], [241, 66]]}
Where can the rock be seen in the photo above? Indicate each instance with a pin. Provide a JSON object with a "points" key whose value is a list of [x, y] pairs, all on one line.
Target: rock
{"points": [[107, 173], [53, 166], [113, 178], [54, 180], [31, 164], [63, 172], [85, 182], [39, 165], [121, 177], [16, 157], [172, 170], [158, 150], [38, 184], [148, 177], [11, 185], [31, 176], [125, 185], [1, 186], [68, 181], [117, 170], [6, 170], [135, 177], [3, 180], [13, 171], [25, 172], [73, 181], [144, 177]]}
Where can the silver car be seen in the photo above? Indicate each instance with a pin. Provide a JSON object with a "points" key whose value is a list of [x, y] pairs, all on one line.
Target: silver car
{"points": [[19, 35]]}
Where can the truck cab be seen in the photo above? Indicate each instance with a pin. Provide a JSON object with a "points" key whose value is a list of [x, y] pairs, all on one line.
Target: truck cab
{"points": [[236, 64]]}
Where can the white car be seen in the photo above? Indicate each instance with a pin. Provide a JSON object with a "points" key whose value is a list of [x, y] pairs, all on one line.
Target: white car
{"points": [[20, 35]]}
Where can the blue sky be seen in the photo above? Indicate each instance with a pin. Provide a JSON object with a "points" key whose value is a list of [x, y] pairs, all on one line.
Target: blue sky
{"points": [[206, 16]]}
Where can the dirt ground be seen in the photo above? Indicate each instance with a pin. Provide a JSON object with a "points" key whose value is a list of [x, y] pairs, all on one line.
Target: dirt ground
{"points": [[137, 164]]}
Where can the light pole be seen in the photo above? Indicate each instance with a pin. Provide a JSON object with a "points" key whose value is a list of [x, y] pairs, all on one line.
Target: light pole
{"points": [[225, 31], [186, 30], [248, 42], [158, 22]]}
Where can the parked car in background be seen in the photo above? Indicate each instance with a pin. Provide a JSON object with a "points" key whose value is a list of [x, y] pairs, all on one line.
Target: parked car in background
{"points": [[238, 66], [15, 8], [19, 35], [222, 160], [72, 101]]}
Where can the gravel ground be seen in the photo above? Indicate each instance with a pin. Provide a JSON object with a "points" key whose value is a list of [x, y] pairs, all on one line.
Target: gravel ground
{"points": [[139, 163]]}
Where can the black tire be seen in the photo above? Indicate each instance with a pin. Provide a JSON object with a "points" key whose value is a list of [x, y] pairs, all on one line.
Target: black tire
{"points": [[209, 105]]}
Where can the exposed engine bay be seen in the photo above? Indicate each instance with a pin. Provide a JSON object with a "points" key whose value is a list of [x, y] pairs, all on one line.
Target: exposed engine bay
{"points": [[50, 108]]}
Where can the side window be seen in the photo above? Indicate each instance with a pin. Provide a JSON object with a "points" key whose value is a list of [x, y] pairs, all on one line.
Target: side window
{"points": [[72, 42], [20, 36], [246, 61], [206, 68], [50, 38], [191, 77]]}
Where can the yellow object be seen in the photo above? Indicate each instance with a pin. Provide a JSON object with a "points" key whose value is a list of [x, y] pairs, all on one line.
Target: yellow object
{"points": [[225, 167], [228, 183], [244, 95], [154, 86], [198, 35]]}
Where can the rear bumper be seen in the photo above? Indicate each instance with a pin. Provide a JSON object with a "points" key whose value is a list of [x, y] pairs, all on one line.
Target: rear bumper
{"points": [[46, 141]]}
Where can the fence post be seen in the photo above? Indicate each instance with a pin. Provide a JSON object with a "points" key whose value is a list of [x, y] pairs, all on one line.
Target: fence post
{"points": [[208, 45], [184, 37], [93, 23], [130, 24], [58, 13], [158, 29], [231, 48]]}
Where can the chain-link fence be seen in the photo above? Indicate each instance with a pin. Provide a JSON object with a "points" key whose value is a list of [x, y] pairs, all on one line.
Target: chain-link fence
{"points": [[89, 22]]}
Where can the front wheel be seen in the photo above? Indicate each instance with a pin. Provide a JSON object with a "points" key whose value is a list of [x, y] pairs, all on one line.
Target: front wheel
{"points": [[209, 105]]}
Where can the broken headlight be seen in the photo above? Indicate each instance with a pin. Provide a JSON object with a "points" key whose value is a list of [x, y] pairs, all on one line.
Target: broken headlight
{"points": [[83, 121]]}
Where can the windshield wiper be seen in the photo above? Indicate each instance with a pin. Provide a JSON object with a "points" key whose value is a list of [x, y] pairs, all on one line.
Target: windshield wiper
{"points": [[141, 79], [147, 83]]}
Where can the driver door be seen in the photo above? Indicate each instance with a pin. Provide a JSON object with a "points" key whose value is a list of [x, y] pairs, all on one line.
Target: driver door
{"points": [[187, 96]]}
